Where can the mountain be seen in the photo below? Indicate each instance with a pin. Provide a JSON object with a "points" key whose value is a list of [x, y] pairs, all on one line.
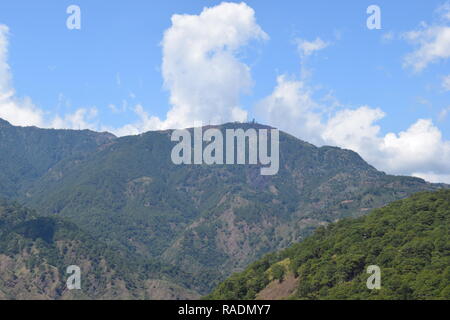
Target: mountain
{"points": [[27, 153], [208, 221], [36, 251], [407, 239]]}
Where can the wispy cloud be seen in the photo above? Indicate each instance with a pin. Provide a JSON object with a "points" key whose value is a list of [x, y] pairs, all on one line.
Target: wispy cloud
{"points": [[444, 113], [446, 82], [307, 48], [432, 41]]}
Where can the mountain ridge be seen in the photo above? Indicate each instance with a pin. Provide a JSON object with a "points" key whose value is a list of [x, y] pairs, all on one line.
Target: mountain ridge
{"points": [[209, 221]]}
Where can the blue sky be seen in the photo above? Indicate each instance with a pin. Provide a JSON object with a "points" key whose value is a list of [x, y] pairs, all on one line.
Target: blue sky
{"points": [[109, 75]]}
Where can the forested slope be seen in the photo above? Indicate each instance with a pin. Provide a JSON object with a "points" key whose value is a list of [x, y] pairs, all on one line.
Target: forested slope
{"points": [[408, 239], [36, 251], [208, 221]]}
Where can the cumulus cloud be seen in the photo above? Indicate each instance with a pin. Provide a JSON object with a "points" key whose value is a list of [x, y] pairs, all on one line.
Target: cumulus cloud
{"points": [[291, 107], [81, 119], [354, 129], [419, 150], [419, 147], [432, 41], [200, 67]]}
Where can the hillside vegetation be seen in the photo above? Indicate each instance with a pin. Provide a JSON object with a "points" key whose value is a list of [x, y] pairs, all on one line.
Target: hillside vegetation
{"points": [[408, 239], [208, 221], [36, 251], [27, 153]]}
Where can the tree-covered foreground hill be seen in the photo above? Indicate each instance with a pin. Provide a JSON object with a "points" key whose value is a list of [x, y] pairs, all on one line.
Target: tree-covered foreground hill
{"points": [[408, 240], [36, 251]]}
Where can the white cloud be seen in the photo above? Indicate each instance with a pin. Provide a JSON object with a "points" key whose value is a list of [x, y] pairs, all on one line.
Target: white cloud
{"points": [[307, 48], [443, 11], [434, 45], [80, 119], [432, 177], [20, 112], [291, 107], [200, 67], [201, 70], [5, 75], [354, 129], [444, 113], [144, 123], [446, 83], [420, 150], [432, 41]]}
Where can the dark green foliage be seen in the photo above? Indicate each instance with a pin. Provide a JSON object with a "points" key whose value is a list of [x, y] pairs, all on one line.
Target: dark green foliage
{"points": [[208, 221], [408, 239], [36, 242], [43, 228], [278, 272], [27, 153]]}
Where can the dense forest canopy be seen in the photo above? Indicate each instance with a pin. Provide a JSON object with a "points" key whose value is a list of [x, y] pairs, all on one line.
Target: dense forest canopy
{"points": [[408, 240]]}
